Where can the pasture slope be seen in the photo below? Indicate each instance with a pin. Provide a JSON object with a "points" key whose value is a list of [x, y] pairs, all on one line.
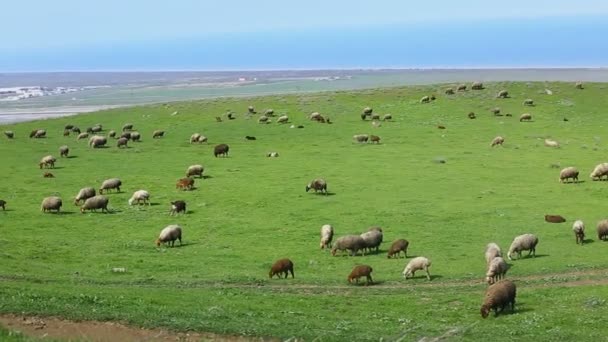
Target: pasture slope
{"points": [[252, 210]]}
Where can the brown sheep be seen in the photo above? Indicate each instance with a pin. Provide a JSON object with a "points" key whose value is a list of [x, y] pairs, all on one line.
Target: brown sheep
{"points": [[66, 132], [361, 271], [177, 207], [317, 185], [375, 116], [221, 150], [374, 139], [281, 266], [602, 230], [48, 175], [122, 142], [396, 248], [554, 219], [525, 117], [461, 87], [567, 173], [499, 296], [185, 184]]}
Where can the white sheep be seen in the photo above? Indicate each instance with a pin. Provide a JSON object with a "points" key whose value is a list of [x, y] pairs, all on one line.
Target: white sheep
{"points": [[578, 227], [139, 196], [497, 141], [416, 264], [525, 242], [599, 171], [492, 251], [497, 269], [327, 235], [551, 143], [169, 234], [283, 119]]}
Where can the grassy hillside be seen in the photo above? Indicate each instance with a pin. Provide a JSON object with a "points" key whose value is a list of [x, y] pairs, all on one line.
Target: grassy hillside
{"points": [[252, 210]]}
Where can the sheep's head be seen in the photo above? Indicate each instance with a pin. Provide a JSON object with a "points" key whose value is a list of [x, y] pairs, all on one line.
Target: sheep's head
{"points": [[131, 201], [158, 242], [308, 187], [489, 280], [270, 274], [333, 251], [485, 310]]}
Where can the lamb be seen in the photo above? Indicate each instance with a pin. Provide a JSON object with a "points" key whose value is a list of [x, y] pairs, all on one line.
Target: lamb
{"points": [[221, 150], [263, 119], [497, 269], [178, 207], [425, 99], [525, 242], [387, 117], [567, 173], [97, 141], [48, 175], [318, 184], [83, 135], [169, 234], [361, 271], [84, 194], [327, 235], [196, 137], [449, 91], [551, 143], [554, 219], [126, 135], [361, 138], [122, 142], [503, 94], [51, 203], [599, 171], [127, 127], [112, 134], [461, 87], [283, 119], [9, 134], [47, 161], [416, 264], [112, 183], [396, 247], [64, 151], [578, 227], [354, 243], [602, 230], [94, 203], [135, 136], [477, 86], [195, 170], [497, 141], [495, 111], [579, 85], [499, 295], [158, 134], [140, 196], [373, 238], [374, 139], [3, 204], [281, 266], [528, 102], [272, 154], [492, 251], [185, 183]]}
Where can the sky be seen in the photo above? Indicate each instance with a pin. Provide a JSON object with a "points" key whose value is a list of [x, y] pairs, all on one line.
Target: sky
{"points": [[41, 35]]}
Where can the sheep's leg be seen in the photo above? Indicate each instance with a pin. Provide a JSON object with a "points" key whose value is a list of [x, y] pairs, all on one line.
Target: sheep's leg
{"points": [[428, 275], [369, 279]]}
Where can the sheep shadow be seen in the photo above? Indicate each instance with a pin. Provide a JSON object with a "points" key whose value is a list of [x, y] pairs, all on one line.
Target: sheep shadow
{"points": [[325, 193], [72, 157], [207, 177], [423, 276], [528, 256], [363, 283], [55, 168], [586, 241]]}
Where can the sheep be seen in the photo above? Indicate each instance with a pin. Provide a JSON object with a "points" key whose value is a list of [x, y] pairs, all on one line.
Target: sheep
{"points": [[528, 102], [68, 127], [602, 229], [127, 127], [269, 112], [195, 138], [387, 117], [461, 87], [361, 271], [83, 135], [218, 119], [551, 143], [373, 238], [497, 269], [122, 142], [84, 194], [51, 203], [281, 266], [374, 139], [579, 85], [195, 170], [169, 234], [314, 116], [272, 154], [135, 136], [578, 227], [283, 119], [48, 175], [554, 219], [38, 133], [495, 111], [249, 137], [64, 151], [499, 295], [177, 207], [599, 171], [492, 251], [97, 141], [416, 264], [376, 123], [361, 138], [497, 141], [112, 134], [76, 130], [140, 196], [477, 86], [396, 247], [251, 110], [263, 119], [318, 184], [525, 117], [66, 132], [9, 134], [449, 91], [327, 235], [374, 117], [185, 183], [221, 150], [363, 116], [47, 161], [525, 242], [94, 203], [126, 135], [367, 111], [89, 130], [112, 183], [433, 98], [425, 99], [503, 94], [567, 173], [354, 243], [471, 115], [96, 129], [3, 204], [158, 134]]}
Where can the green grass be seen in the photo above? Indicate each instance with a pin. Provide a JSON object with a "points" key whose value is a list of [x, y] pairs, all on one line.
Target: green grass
{"points": [[253, 210]]}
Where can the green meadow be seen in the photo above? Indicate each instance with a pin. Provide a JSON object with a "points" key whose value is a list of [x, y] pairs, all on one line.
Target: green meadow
{"points": [[444, 190]]}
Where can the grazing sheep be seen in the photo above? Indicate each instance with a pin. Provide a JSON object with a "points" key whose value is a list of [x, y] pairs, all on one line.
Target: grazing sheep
{"points": [[218, 119], [599, 171], [230, 116], [361, 271], [89, 130], [354, 243], [579, 85], [361, 138], [503, 94], [497, 269], [525, 242], [471, 115], [461, 87], [509, 115], [112, 134], [318, 184], [112, 183], [397, 247], [127, 127], [194, 138], [135, 136], [64, 151], [122, 142], [551, 143], [83, 135], [602, 229], [272, 154], [47, 161], [68, 127], [251, 110], [169, 234], [51, 203], [94, 203], [38, 133], [195, 170], [269, 112], [140, 196], [497, 141], [3, 204], [374, 139], [492, 251], [185, 183], [567, 173], [221, 150], [97, 141], [263, 119], [528, 102], [554, 219], [495, 111], [126, 135], [477, 86], [578, 227], [387, 117], [425, 99], [499, 296], [368, 111], [177, 207], [158, 134], [96, 129], [9, 134], [84, 194], [76, 130], [376, 123], [327, 235], [363, 116], [416, 264], [283, 119], [525, 117], [433, 98], [48, 175], [314, 116], [249, 137], [281, 266], [373, 238], [449, 91], [66, 132]]}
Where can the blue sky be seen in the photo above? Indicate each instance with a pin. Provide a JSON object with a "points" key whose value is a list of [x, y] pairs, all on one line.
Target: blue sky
{"points": [[132, 34]]}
